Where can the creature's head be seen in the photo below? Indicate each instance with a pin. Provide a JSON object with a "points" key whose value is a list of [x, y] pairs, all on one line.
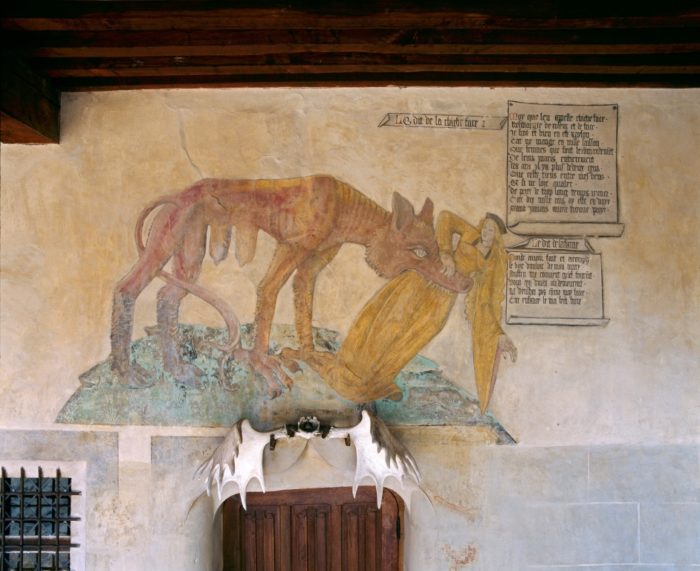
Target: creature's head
{"points": [[409, 243]]}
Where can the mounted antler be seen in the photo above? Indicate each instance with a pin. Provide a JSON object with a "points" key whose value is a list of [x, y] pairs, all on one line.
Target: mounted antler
{"points": [[379, 454], [239, 458]]}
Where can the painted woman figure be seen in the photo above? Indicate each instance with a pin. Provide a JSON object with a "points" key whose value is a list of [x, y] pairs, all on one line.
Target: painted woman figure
{"points": [[409, 311], [480, 254]]}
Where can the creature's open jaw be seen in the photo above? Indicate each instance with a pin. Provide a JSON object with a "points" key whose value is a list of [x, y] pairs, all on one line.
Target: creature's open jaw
{"points": [[437, 286], [369, 259], [456, 283]]}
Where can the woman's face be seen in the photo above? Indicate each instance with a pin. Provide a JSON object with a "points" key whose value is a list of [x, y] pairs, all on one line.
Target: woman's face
{"points": [[488, 232]]}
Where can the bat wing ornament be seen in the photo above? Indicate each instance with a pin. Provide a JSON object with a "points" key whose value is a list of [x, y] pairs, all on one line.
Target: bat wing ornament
{"points": [[239, 458], [379, 454]]}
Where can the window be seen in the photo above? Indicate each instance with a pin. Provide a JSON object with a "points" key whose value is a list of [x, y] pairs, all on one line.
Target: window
{"points": [[38, 520]]}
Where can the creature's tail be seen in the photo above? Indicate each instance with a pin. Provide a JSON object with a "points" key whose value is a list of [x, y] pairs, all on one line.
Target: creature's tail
{"points": [[138, 229], [232, 324], [229, 317]]}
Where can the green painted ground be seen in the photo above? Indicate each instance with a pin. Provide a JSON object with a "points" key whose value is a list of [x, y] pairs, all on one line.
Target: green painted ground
{"points": [[429, 398]]}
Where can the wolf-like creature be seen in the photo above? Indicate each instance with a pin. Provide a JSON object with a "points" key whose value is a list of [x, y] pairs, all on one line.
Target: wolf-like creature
{"points": [[309, 217]]}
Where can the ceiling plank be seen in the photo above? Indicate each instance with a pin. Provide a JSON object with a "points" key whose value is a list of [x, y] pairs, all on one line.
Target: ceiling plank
{"points": [[407, 37], [311, 62], [381, 80], [127, 51], [379, 69], [86, 15]]}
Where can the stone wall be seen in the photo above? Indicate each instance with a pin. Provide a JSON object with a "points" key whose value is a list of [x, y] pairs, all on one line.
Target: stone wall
{"points": [[605, 472]]}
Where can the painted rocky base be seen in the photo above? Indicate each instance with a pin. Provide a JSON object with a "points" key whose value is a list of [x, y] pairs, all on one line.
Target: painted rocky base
{"points": [[428, 397]]}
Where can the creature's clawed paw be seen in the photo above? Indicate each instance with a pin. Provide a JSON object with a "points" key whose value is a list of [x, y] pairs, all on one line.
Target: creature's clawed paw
{"points": [[291, 357], [289, 363], [269, 367]]}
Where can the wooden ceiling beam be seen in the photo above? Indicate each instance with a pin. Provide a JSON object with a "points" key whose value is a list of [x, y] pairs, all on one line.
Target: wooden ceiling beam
{"points": [[418, 36], [184, 51], [113, 15], [369, 61], [310, 70], [382, 80], [29, 106]]}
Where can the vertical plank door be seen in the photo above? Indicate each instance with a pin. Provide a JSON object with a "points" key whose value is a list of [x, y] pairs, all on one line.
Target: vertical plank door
{"points": [[323, 529]]}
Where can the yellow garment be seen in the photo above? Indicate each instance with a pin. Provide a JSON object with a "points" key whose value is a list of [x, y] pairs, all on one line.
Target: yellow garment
{"points": [[483, 302], [403, 316], [394, 325]]}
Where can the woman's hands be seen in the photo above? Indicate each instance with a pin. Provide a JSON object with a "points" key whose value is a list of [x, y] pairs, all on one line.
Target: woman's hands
{"points": [[448, 264], [507, 347]]}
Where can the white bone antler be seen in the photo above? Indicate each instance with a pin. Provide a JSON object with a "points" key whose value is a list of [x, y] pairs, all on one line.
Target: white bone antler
{"points": [[379, 454], [239, 458]]}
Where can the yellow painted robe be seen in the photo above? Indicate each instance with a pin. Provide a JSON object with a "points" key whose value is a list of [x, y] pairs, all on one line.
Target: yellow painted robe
{"points": [[484, 301], [403, 316]]}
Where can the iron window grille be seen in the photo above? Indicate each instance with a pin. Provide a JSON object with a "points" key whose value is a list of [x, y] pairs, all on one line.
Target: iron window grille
{"points": [[36, 520]]}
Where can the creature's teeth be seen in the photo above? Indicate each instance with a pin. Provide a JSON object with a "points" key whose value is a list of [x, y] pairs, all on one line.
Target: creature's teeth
{"points": [[438, 287]]}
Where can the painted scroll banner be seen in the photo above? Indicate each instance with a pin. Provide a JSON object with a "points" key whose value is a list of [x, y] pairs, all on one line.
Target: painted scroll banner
{"points": [[442, 121], [555, 281], [562, 170]]}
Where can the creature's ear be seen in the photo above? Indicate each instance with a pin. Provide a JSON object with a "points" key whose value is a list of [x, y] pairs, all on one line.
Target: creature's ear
{"points": [[426, 213], [402, 212]]}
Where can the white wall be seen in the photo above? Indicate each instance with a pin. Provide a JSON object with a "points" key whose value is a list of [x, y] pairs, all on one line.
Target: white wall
{"points": [[68, 212]]}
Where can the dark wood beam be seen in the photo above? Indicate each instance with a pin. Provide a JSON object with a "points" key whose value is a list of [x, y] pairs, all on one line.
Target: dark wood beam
{"points": [[114, 44], [311, 63], [502, 79], [117, 15], [232, 42], [29, 106]]}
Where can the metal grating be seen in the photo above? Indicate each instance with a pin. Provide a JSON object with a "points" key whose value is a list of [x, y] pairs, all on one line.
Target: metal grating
{"points": [[35, 518]]}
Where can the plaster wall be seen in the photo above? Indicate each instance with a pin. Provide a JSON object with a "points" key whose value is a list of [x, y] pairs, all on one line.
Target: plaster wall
{"points": [[605, 472]]}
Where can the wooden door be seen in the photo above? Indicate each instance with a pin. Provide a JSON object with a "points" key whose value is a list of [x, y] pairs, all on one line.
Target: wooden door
{"points": [[313, 530]]}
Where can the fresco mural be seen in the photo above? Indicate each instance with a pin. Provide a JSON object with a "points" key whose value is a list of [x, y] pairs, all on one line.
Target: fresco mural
{"points": [[310, 218], [410, 310], [561, 189]]}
